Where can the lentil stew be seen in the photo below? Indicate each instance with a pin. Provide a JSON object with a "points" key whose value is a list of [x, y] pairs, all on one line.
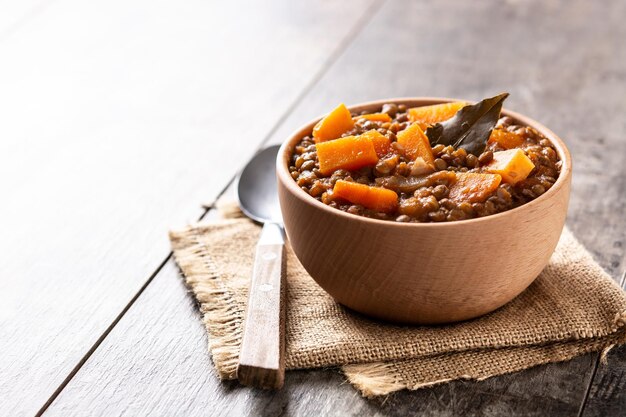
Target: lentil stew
{"points": [[384, 165]]}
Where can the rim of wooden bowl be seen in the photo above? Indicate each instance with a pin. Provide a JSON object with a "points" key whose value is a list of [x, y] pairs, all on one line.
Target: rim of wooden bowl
{"points": [[286, 149]]}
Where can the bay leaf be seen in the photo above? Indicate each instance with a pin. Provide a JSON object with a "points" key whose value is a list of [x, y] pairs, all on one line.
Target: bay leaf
{"points": [[470, 127]]}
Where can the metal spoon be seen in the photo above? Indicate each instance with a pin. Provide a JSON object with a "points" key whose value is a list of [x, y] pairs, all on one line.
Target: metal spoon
{"points": [[262, 356]]}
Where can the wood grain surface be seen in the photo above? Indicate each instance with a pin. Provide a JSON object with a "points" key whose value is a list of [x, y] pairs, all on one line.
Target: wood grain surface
{"points": [[119, 119], [109, 138], [605, 392], [13, 15]]}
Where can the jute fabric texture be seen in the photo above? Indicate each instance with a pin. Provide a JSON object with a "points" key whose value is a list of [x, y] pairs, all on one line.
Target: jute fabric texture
{"points": [[572, 308]]}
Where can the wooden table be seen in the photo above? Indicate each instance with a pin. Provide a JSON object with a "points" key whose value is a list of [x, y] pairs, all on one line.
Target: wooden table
{"points": [[120, 118]]}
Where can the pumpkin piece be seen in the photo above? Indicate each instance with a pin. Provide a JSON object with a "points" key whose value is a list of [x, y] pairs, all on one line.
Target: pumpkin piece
{"points": [[351, 152], [373, 198], [505, 139], [429, 115], [415, 144], [382, 144], [513, 165], [333, 125], [473, 187], [375, 117]]}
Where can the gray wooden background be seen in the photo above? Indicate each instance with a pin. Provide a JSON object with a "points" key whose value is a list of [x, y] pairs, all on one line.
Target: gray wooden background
{"points": [[119, 119]]}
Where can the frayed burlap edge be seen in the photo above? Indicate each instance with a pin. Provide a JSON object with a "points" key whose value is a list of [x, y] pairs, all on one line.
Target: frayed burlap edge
{"points": [[383, 378], [373, 379], [220, 317]]}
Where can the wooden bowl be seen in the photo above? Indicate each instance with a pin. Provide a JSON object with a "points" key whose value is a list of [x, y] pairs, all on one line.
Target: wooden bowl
{"points": [[423, 273]]}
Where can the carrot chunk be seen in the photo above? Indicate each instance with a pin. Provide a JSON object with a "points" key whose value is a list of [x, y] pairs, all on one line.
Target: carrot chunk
{"points": [[333, 125], [429, 115], [513, 165], [506, 140], [375, 117], [473, 187], [382, 144], [415, 143], [351, 152], [373, 198]]}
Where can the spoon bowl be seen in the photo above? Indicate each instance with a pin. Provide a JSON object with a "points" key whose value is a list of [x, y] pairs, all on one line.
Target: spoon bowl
{"points": [[257, 190]]}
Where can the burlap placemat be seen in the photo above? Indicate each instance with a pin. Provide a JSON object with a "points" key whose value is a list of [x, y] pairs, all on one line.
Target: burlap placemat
{"points": [[572, 308]]}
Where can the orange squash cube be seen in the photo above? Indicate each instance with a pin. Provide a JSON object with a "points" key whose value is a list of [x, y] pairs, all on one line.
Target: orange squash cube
{"points": [[375, 117], [351, 152], [506, 140], [373, 198], [513, 165], [416, 144], [382, 144], [473, 187], [429, 115], [333, 125]]}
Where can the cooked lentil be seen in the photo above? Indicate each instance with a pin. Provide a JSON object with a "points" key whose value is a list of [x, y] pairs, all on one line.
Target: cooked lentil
{"points": [[423, 190]]}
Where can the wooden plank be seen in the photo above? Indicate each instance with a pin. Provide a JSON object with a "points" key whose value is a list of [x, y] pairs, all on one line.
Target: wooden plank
{"points": [[118, 119], [156, 363], [165, 346], [606, 394], [424, 48], [15, 14]]}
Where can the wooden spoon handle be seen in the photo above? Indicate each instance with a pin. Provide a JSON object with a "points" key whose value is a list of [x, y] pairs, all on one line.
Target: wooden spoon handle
{"points": [[262, 355]]}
